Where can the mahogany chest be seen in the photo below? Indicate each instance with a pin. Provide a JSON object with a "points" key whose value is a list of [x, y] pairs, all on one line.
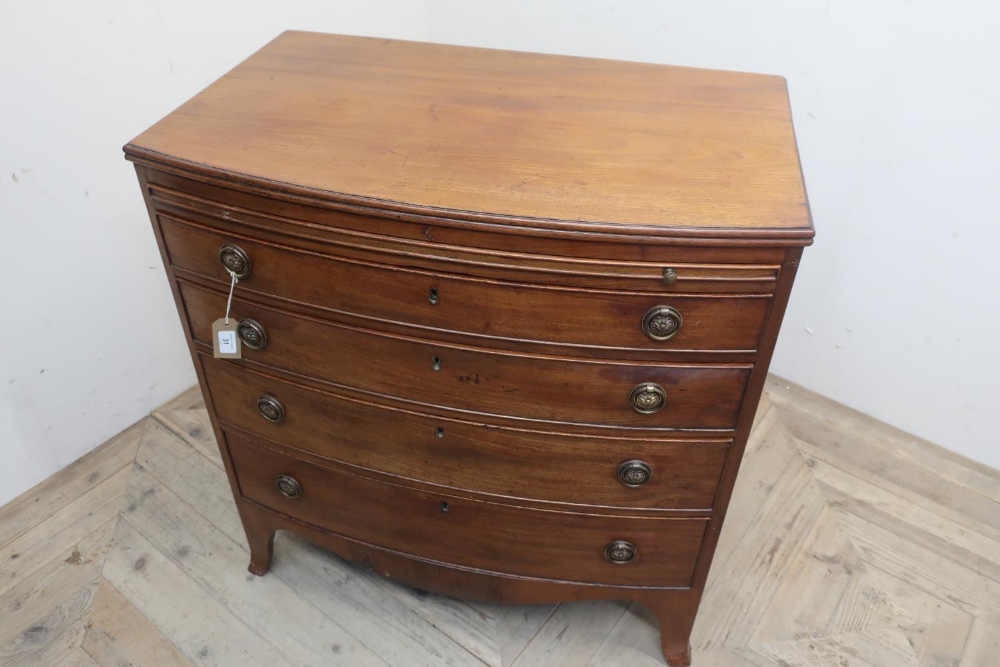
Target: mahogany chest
{"points": [[505, 318]]}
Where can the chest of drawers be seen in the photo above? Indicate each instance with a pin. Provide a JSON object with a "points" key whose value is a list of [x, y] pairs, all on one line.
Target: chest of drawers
{"points": [[505, 317]]}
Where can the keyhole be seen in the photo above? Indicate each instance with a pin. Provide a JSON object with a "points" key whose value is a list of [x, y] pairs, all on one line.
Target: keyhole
{"points": [[444, 507], [439, 432], [436, 365], [433, 296]]}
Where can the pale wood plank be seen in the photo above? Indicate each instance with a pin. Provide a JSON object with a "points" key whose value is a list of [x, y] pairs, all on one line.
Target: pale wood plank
{"points": [[78, 658], [734, 657], [857, 496], [53, 637], [983, 645], [365, 604], [768, 451], [118, 634], [634, 641], [940, 644], [826, 591], [470, 625], [924, 568], [195, 428], [275, 612], [516, 625], [61, 531], [885, 647], [911, 604], [42, 616], [572, 635], [858, 457], [831, 415], [189, 399], [762, 408], [774, 508], [39, 503], [205, 631], [183, 470]]}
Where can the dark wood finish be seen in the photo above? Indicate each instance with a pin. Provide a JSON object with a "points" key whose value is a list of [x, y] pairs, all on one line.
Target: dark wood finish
{"points": [[542, 197], [488, 458], [479, 381], [363, 237], [478, 534], [485, 308]]}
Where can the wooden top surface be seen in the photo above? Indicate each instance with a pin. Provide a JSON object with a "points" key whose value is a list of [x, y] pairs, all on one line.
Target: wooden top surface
{"points": [[520, 137]]}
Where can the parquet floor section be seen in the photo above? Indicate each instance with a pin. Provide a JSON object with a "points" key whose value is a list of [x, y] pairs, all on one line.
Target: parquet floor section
{"points": [[848, 544]]}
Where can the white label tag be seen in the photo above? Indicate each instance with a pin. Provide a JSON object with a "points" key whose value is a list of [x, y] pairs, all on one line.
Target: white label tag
{"points": [[227, 342]]}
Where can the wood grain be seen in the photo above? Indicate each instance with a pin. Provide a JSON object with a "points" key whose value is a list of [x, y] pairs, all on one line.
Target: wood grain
{"points": [[455, 130], [470, 533], [484, 458], [585, 316], [478, 381], [118, 634]]}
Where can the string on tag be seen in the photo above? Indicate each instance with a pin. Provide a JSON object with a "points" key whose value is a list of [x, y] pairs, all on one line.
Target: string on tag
{"points": [[229, 301]]}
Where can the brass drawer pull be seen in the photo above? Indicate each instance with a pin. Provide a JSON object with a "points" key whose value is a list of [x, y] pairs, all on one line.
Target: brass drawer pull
{"points": [[662, 322], [235, 259], [647, 398], [669, 276], [620, 552], [271, 409], [289, 486], [252, 333], [634, 473]]}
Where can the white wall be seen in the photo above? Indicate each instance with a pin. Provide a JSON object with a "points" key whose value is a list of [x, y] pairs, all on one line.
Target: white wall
{"points": [[896, 105], [90, 340]]}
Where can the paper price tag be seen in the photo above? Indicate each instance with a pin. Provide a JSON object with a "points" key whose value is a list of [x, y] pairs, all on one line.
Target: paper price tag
{"points": [[225, 342]]}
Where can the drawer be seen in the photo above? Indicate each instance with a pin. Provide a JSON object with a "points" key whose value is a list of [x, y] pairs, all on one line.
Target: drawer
{"points": [[221, 203], [513, 463], [485, 308], [365, 237], [470, 533], [481, 381]]}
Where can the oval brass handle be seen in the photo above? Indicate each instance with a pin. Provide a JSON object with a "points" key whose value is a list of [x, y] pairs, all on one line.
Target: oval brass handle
{"points": [[662, 322], [235, 259], [289, 486], [634, 473], [252, 333], [271, 408], [620, 552], [647, 398]]}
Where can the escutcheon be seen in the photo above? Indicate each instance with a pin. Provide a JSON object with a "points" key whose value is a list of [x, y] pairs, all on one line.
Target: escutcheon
{"points": [[620, 552], [634, 473], [647, 398], [235, 259], [271, 409], [288, 486], [252, 333], [662, 322]]}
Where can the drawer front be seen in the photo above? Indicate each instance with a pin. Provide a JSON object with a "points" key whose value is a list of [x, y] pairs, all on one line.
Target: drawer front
{"points": [[597, 471], [470, 533], [664, 270], [475, 380], [473, 306]]}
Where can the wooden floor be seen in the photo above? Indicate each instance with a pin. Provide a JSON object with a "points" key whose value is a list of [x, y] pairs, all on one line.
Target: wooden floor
{"points": [[848, 544]]}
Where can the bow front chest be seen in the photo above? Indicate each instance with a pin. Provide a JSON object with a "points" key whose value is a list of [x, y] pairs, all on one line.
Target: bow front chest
{"points": [[503, 318]]}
